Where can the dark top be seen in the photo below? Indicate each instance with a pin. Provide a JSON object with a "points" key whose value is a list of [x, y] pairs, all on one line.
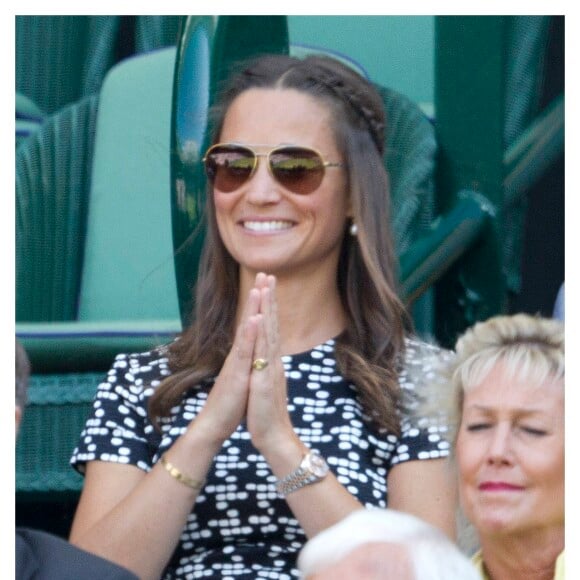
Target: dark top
{"points": [[240, 527], [41, 556]]}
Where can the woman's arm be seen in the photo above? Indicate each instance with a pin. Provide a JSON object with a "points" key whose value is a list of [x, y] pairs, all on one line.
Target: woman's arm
{"points": [[316, 506], [426, 489], [135, 518]]}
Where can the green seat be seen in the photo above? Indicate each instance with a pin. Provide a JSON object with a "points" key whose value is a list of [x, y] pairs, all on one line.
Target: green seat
{"points": [[154, 32], [61, 59], [128, 271], [410, 150], [53, 175], [29, 117], [125, 298]]}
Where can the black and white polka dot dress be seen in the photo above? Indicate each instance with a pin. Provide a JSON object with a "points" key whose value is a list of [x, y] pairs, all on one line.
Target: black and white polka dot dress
{"points": [[240, 527]]}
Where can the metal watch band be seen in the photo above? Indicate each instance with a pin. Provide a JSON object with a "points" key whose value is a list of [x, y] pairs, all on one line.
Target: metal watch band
{"points": [[303, 475], [293, 482]]}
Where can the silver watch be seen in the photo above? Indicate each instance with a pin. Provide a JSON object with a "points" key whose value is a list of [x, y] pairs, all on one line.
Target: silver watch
{"points": [[312, 468]]}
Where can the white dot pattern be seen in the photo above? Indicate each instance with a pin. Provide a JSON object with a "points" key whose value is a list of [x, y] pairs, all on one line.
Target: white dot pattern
{"points": [[240, 528]]}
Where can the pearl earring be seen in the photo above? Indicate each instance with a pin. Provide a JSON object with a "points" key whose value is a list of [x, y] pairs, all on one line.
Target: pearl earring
{"points": [[353, 230]]}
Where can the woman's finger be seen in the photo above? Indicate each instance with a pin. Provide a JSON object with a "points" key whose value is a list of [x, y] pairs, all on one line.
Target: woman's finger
{"points": [[274, 323], [244, 339], [260, 356]]}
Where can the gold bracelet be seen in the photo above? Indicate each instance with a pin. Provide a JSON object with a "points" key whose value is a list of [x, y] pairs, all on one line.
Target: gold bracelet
{"points": [[181, 477]]}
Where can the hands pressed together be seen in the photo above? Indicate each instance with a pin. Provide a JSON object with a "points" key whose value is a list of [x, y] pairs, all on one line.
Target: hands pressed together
{"points": [[243, 390]]}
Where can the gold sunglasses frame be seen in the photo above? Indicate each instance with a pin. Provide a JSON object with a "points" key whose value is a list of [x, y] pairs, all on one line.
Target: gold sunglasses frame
{"points": [[267, 155]]}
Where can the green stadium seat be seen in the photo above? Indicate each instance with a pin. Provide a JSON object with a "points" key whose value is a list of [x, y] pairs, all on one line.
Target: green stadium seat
{"points": [[128, 271], [124, 296]]}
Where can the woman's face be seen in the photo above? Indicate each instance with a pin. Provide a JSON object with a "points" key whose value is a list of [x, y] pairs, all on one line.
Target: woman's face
{"points": [[510, 454], [263, 225]]}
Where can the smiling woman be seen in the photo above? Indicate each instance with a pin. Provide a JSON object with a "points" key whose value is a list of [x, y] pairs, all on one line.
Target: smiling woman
{"points": [[283, 407], [509, 380], [275, 221]]}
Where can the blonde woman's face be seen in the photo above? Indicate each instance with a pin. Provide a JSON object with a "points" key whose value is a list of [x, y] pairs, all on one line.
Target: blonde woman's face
{"points": [[510, 454]]}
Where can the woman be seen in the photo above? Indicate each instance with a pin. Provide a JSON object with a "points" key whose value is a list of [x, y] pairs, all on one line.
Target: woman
{"points": [[198, 456], [509, 380]]}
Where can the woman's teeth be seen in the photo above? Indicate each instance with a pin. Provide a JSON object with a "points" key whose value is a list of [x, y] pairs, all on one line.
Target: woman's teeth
{"points": [[272, 226]]}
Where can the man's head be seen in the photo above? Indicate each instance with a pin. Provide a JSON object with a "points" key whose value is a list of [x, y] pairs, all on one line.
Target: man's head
{"points": [[373, 544], [370, 561]]}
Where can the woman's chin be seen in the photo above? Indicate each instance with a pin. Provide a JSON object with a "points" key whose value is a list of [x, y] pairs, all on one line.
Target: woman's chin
{"points": [[498, 523]]}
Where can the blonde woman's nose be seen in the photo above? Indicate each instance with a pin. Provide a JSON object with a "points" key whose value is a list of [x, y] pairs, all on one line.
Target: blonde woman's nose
{"points": [[500, 444]]}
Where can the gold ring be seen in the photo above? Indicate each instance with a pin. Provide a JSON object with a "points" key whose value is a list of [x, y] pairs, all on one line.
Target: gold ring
{"points": [[259, 364]]}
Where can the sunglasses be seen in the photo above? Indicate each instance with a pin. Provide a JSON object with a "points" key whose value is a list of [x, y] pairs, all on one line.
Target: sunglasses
{"points": [[299, 169]]}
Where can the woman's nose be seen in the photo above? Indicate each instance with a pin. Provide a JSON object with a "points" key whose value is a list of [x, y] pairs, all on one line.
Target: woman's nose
{"points": [[262, 188], [499, 450]]}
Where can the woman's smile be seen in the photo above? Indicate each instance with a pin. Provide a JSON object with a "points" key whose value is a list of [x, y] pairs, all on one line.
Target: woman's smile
{"points": [[266, 226]]}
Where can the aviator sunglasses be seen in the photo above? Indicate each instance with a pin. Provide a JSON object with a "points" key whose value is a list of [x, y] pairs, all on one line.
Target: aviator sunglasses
{"points": [[299, 169]]}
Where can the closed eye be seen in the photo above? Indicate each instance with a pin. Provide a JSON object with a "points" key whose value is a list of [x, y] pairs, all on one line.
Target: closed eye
{"points": [[478, 426], [534, 431]]}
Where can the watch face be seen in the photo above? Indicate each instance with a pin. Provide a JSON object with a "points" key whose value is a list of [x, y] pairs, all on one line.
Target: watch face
{"points": [[316, 465]]}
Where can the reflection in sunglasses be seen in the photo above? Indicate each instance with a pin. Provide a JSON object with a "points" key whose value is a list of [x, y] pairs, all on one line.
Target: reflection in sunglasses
{"points": [[299, 169]]}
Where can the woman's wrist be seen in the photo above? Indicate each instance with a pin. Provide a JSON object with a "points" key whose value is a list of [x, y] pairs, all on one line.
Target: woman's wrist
{"points": [[196, 445], [202, 433], [285, 455]]}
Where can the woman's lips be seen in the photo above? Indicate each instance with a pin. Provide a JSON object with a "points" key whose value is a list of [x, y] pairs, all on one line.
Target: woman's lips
{"points": [[499, 486]]}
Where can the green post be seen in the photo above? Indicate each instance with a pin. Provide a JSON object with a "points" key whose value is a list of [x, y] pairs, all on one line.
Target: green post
{"points": [[469, 108]]}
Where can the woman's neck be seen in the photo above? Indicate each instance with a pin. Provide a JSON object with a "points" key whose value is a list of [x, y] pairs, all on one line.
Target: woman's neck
{"points": [[310, 310], [526, 557]]}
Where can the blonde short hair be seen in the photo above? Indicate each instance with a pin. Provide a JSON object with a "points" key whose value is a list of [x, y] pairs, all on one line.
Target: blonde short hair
{"points": [[525, 345]]}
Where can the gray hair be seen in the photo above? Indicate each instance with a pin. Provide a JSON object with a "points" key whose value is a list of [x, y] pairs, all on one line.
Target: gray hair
{"points": [[432, 554], [22, 375]]}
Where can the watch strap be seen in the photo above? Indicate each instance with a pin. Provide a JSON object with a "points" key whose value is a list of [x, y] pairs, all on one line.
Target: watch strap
{"points": [[300, 477]]}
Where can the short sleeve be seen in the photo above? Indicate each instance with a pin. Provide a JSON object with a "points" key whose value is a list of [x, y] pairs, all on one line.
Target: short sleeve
{"points": [[118, 429], [422, 436]]}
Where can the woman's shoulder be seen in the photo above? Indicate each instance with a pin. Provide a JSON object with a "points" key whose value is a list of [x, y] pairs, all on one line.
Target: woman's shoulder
{"points": [[423, 361], [417, 349], [141, 368], [158, 354]]}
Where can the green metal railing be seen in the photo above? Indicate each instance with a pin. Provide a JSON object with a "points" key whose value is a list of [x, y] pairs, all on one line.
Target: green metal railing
{"points": [[452, 235]]}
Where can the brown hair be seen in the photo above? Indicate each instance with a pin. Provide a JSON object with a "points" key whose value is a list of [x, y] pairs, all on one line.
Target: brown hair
{"points": [[369, 350]]}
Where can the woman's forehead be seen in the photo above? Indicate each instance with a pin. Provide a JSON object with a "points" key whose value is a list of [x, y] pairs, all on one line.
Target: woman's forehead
{"points": [[278, 116], [503, 386]]}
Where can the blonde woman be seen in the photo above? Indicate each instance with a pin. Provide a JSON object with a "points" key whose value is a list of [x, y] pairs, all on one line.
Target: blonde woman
{"points": [[508, 378]]}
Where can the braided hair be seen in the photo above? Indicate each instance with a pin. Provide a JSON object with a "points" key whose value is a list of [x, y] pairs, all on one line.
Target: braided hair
{"points": [[362, 103], [370, 350]]}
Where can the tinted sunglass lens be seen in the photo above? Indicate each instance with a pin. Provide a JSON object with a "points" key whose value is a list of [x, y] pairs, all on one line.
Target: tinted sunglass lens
{"points": [[298, 170], [228, 168]]}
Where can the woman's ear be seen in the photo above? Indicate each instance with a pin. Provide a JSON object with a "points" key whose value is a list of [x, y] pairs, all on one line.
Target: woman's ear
{"points": [[349, 208]]}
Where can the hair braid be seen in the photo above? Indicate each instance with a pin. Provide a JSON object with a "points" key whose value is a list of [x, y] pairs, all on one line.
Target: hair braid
{"points": [[360, 104]]}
